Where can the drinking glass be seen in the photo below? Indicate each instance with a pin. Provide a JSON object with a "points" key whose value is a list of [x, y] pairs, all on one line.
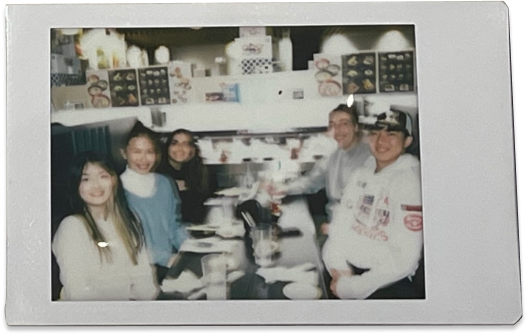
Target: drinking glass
{"points": [[227, 205], [262, 245], [214, 279]]}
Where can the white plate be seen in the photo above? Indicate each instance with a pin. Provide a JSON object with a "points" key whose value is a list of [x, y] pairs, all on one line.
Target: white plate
{"points": [[231, 231], [213, 202], [300, 291], [231, 192]]}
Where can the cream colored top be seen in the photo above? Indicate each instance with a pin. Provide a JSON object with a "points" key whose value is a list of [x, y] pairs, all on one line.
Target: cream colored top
{"points": [[87, 275]]}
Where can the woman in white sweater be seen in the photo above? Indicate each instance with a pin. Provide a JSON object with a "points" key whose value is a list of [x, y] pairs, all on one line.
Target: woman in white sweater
{"points": [[100, 248]]}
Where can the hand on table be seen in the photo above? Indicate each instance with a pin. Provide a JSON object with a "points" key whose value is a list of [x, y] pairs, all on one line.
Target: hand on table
{"points": [[273, 189], [335, 275]]}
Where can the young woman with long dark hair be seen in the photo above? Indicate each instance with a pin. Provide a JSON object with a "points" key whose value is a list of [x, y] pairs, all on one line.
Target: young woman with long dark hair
{"points": [[182, 162], [100, 247]]}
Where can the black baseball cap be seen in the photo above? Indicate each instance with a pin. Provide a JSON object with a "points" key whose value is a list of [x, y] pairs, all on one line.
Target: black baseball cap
{"points": [[393, 120]]}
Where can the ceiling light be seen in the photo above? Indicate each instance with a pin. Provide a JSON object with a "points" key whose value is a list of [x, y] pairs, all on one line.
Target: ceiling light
{"points": [[338, 44], [392, 40]]}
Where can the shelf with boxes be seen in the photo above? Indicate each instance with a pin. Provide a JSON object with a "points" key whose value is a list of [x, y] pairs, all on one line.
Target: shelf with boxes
{"points": [[168, 97]]}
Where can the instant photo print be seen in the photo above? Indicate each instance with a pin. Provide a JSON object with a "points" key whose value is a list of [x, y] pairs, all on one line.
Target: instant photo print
{"points": [[261, 164]]}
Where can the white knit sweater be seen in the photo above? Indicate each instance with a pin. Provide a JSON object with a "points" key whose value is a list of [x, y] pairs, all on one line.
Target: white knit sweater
{"points": [[85, 273]]}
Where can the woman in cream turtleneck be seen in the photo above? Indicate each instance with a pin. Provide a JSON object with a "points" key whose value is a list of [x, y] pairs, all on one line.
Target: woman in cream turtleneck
{"points": [[153, 198]]}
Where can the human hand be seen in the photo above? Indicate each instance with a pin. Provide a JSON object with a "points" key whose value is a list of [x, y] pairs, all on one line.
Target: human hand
{"points": [[324, 228], [336, 275], [181, 185], [273, 189]]}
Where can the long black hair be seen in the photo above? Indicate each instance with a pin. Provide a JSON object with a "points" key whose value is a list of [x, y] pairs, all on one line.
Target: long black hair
{"points": [[194, 172], [126, 223]]}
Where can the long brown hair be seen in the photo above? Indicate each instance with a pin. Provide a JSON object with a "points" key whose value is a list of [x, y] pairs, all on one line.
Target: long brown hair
{"points": [[194, 171], [126, 223]]}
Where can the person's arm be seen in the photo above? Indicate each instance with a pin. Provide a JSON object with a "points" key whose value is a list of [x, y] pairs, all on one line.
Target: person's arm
{"points": [[312, 182], [73, 251], [406, 243], [334, 252], [177, 232]]}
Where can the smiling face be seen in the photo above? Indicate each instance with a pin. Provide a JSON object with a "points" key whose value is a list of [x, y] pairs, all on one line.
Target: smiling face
{"points": [[343, 129], [96, 186], [387, 146], [181, 149], [140, 153]]}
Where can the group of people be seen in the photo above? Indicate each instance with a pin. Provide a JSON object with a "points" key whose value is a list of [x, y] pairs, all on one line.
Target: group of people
{"points": [[374, 214], [122, 233], [118, 241]]}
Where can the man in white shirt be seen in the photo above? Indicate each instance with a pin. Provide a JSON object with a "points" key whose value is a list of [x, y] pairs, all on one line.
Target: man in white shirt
{"points": [[332, 173], [375, 238]]}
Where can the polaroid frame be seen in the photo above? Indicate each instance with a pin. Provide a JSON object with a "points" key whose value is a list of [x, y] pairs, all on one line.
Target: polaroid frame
{"points": [[467, 161]]}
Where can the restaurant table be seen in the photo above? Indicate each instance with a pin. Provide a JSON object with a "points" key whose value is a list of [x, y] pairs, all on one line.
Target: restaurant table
{"points": [[292, 251]]}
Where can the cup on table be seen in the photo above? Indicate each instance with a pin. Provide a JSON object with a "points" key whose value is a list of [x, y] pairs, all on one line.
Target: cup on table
{"points": [[276, 205], [261, 236], [227, 205], [214, 268]]}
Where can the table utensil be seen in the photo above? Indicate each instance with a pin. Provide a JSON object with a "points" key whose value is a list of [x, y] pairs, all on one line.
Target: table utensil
{"points": [[248, 219], [251, 220]]}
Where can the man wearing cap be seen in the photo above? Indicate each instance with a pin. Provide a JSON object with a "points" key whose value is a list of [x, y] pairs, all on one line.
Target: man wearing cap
{"points": [[375, 238], [333, 172]]}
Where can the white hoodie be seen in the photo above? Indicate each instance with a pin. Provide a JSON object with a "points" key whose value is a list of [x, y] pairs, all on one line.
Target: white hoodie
{"points": [[377, 226]]}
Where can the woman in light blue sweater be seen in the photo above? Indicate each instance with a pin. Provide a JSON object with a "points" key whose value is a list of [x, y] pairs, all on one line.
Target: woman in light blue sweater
{"points": [[153, 198]]}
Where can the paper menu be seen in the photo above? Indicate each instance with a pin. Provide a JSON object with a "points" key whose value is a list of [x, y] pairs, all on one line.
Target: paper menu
{"points": [[123, 87], [180, 80], [396, 71], [98, 88], [154, 85], [328, 74], [359, 73]]}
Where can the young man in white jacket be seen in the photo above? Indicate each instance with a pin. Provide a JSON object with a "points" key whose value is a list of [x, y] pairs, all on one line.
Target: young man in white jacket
{"points": [[375, 238]]}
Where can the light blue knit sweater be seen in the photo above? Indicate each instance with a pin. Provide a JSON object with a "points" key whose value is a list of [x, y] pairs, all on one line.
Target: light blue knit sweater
{"points": [[160, 216]]}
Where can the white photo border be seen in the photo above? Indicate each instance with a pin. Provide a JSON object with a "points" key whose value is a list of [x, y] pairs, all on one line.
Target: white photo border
{"points": [[467, 162]]}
